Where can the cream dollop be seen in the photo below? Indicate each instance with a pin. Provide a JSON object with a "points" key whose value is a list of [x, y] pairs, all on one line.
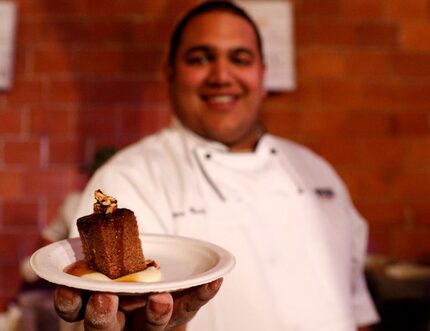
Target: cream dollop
{"points": [[149, 275]]}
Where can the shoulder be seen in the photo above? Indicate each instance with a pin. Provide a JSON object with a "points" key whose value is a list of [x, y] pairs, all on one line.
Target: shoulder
{"points": [[310, 166], [297, 152], [151, 150]]}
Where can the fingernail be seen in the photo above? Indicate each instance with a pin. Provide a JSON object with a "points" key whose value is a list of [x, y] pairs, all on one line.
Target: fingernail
{"points": [[67, 301], [215, 285], [159, 308]]}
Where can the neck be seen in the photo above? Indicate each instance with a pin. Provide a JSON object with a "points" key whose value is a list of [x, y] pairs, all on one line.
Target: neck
{"points": [[249, 144]]}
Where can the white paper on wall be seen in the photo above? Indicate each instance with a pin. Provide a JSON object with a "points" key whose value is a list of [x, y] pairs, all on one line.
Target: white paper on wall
{"points": [[8, 16], [275, 21]]}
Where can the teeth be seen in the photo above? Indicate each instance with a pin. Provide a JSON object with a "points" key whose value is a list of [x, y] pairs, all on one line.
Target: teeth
{"points": [[221, 99]]}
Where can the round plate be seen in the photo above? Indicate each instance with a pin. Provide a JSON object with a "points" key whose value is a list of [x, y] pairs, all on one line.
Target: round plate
{"points": [[184, 262]]}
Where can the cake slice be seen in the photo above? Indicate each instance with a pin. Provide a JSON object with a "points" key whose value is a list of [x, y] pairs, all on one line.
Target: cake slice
{"points": [[110, 239]]}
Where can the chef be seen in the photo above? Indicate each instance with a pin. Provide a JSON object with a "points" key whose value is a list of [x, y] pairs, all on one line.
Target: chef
{"points": [[216, 175]]}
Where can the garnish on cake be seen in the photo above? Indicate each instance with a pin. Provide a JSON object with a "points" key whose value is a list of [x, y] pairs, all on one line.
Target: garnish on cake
{"points": [[110, 240]]}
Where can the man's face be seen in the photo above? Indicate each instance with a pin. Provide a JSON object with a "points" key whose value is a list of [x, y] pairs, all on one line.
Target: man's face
{"points": [[216, 82]]}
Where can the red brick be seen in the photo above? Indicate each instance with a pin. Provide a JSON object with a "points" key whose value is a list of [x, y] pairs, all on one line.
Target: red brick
{"points": [[378, 34], [408, 10], [383, 212], [373, 9], [400, 242], [11, 183], [306, 96], [321, 63], [420, 210], [344, 123], [415, 36], [21, 212], [113, 91], [153, 32], [102, 122], [412, 122], [67, 90], [115, 30], [27, 91], [152, 121], [10, 281], [402, 237], [309, 8], [48, 182], [412, 183], [22, 152], [284, 123], [368, 64], [54, 30], [52, 59], [64, 151], [21, 65], [10, 121], [280, 102], [370, 183], [53, 122], [10, 246], [396, 95], [117, 60], [412, 65], [340, 94], [417, 156], [64, 7], [361, 152], [154, 7], [334, 33]]}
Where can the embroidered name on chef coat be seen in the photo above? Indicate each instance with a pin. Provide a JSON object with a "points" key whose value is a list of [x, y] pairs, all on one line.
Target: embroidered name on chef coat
{"points": [[191, 210]]}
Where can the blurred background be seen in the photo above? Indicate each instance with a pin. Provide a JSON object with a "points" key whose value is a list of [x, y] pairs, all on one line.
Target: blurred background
{"points": [[87, 74]]}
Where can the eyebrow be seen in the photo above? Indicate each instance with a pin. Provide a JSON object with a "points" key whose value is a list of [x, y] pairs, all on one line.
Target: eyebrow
{"points": [[207, 48], [199, 48]]}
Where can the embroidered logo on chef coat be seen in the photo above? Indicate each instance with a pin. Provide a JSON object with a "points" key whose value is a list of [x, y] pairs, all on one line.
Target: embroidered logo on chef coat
{"points": [[325, 193]]}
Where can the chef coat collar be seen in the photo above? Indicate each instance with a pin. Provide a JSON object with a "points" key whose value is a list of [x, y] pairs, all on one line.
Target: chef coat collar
{"points": [[194, 140]]}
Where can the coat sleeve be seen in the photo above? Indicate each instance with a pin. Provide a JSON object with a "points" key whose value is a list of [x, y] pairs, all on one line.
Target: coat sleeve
{"points": [[364, 310]]}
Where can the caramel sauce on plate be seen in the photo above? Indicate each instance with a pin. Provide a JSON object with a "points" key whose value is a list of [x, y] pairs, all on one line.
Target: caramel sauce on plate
{"points": [[80, 269]]}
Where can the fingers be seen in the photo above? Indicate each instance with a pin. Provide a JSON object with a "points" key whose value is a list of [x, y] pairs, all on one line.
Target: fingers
{"points": [[156, 315], [130, 303], [102, 313], [202, 295], [186, 306], [68, 303]]}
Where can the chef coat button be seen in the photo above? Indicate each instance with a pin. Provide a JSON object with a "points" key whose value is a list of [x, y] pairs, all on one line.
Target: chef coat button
{"points": [[273, 151], [208, 156]]}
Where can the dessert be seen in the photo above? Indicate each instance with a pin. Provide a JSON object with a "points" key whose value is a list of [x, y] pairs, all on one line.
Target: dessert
{"points": [[110, 239]]}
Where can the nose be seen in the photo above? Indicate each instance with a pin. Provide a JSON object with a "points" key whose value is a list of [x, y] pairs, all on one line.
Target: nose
{"points": [[220, 73]]}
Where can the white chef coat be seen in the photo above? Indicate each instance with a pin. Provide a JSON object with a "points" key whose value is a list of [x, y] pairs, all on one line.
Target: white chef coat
{"points": [[282, 211]]}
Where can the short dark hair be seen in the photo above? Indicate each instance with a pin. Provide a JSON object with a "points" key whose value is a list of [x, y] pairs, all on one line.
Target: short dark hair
{"points": [[207, 7]]}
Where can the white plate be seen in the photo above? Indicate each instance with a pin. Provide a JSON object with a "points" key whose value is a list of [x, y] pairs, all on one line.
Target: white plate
{"points": [[184, 262]]}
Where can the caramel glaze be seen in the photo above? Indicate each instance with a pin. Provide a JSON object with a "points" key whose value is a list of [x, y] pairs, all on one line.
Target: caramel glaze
{"points": [[78, 268]]}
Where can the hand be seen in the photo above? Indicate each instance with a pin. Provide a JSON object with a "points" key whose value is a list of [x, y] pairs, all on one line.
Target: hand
{"points": [[154, 312]]}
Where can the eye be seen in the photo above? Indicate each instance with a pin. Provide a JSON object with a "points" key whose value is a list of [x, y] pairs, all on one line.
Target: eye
{"points": [[242, 57], [198, 58]]}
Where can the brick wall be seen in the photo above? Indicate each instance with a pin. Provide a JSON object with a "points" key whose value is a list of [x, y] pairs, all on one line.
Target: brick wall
{"points": [[88, 74]]}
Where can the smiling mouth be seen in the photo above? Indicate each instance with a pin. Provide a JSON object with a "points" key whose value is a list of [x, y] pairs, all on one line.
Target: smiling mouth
{"points": [[220, 99]]}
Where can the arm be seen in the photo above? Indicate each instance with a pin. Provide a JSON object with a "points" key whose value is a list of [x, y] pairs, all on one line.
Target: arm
{"points": [[156, 312]]}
